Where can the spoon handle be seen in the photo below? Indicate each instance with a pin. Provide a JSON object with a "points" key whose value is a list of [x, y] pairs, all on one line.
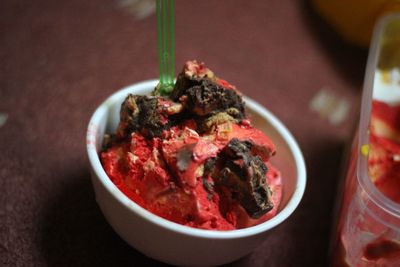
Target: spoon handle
{"points": [[165, 35]]}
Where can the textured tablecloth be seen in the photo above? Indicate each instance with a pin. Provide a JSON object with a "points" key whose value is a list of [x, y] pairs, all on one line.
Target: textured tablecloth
{"points": [[60, 59]]}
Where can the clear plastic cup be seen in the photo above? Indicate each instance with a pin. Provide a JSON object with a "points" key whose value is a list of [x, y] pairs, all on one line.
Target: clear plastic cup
{"points": [[368, 223]]}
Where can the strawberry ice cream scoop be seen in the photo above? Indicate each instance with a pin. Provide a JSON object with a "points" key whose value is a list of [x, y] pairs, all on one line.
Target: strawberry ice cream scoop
{"points": [[193, 157], [384, 150]]}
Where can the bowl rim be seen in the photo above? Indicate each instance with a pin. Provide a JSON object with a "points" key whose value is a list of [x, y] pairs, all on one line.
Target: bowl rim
{"points": [[283, 214]]}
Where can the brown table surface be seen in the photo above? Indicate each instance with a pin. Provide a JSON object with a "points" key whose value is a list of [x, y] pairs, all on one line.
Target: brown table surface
{"points": [[60, 59]]}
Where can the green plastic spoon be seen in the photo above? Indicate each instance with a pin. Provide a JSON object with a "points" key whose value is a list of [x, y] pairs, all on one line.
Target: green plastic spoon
{"points": [[165, 35]]}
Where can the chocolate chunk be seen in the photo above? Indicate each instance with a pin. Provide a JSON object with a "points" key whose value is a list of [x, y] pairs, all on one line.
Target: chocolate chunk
{"points": [[244, 174], [129, 116], [108, 141], [150, 120], [209, 165], [209, 187], [204, 97], [146, 114], [192, 74], [182, 84], [197, 86], [207, 99], [237, 149], [210, 98]]}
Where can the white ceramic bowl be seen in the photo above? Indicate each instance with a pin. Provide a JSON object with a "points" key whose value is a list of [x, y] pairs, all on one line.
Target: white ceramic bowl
{"points": [[174, 243]]}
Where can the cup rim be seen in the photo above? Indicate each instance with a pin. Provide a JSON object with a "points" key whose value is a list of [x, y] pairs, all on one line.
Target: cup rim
{"points": [[283, 214]]}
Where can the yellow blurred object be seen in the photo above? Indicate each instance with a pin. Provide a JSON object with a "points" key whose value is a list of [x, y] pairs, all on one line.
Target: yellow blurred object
{"points": [[355, 19], [364, 150]]}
